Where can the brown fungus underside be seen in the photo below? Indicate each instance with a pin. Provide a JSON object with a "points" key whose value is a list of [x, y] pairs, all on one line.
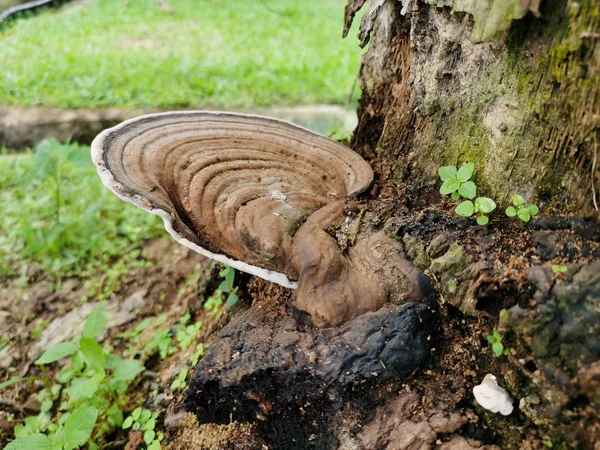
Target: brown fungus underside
{"points": [[261, 195]]}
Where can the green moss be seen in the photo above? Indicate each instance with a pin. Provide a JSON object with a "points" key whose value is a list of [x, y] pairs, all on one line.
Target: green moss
{"points": [[415, 250], [453, 261]]}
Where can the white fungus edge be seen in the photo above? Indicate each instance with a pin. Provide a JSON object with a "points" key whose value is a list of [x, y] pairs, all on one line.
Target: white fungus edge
{"points": [[109, 181]]}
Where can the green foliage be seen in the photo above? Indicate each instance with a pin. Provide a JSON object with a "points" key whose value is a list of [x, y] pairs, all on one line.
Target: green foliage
{"points": [[482, 207], [227, 286], [222, 54], [524, 213], [88, 392], [556, 268], [214, 303], [145, 420], [179, 382], [45, 219], [186, 334], [165, 341], [161, 341], [497, 347], [14, 380], [456, 181], [199, 353]]}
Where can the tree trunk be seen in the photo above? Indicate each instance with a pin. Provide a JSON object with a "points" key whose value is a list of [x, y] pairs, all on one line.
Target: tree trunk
{"points": [[523, 105], [511, 86]]}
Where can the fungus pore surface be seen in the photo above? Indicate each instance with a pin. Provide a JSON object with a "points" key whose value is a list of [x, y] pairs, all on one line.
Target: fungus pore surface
{"points": [[257, 194]]}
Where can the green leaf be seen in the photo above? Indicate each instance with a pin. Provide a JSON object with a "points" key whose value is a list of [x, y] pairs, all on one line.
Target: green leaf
{"points": [[223, 287], [59, 351], [465, 173], [15, 380], [517, 199], [483, 220], [490, 338], [146, 414], [485, 204], [524, 214], [46, 405], [32, 442], [232, 299], [449, 186], [465, 209], [124, 369], [468, 190], [85, 387], [497, 335], [151, 424], [455, 196], [155, 445], [115, 414], [534, 210], [79, 427], [65, 375], [95, 323], [511, 211], [92, 352], [447, 172], [136, 413], [149, 436], [127, 422], [497, 348]]}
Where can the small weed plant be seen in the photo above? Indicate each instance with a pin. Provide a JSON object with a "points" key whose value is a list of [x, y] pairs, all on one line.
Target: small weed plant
{"points": [[179, 382], [144, 420], [520, 210], [457, 183], [480, 208], [87, 397], [214, 303], [556, 268], [497, 346]]}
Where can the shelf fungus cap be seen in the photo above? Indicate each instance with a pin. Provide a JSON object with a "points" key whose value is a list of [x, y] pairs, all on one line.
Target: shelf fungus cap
{"points": [[493, 397], [232, 187], [263, 196]]}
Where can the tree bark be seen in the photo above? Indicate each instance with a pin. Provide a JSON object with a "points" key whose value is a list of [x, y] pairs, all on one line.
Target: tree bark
{"points": [[522, 105]]}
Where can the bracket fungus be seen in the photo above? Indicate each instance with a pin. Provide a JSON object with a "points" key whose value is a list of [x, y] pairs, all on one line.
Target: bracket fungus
{"points": [[261, 195]]}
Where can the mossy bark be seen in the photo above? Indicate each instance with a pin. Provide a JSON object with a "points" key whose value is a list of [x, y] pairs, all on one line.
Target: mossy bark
{"points": [[523, 106]]}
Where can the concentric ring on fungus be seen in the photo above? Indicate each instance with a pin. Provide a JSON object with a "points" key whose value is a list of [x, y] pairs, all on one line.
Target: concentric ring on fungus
{"points": [[240, 189]]}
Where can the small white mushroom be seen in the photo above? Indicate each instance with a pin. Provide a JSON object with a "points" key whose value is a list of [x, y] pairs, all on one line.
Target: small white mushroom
{"points": [[493, 397]]}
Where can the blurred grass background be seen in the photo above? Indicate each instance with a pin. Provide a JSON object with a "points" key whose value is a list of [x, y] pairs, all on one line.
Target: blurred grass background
{"points": [[206, 54], [55, 213]]}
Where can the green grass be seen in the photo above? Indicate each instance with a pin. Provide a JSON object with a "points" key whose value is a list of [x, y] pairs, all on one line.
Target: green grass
{"points": [[242, 53], [55, 212]]}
